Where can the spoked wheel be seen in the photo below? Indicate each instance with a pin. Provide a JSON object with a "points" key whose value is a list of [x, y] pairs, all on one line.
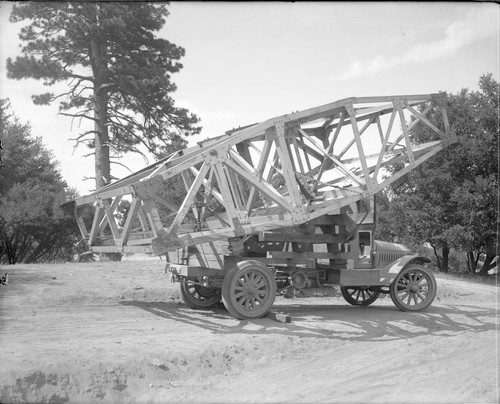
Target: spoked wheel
{"points": [[249, 290], [414, 288], [200, 297], [359, 295]]}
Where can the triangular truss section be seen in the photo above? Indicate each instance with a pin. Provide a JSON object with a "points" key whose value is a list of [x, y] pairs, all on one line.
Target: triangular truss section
{"points": [[278, 173]]}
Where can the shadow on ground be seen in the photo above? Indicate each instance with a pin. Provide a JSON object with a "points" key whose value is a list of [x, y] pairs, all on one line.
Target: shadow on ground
{"points": [[335, 321]]}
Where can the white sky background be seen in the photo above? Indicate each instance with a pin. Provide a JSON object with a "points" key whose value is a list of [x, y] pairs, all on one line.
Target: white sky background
{"points": [[247, 62]]}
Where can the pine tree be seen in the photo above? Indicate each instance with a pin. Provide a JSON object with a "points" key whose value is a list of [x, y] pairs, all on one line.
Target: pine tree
{"points": [[118, 74]]}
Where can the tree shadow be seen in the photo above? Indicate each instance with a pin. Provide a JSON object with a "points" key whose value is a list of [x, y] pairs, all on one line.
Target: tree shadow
{"points": [[335, 321]]}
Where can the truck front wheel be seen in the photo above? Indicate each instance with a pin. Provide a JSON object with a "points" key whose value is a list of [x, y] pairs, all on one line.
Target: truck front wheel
{"points": [[414, 288]]}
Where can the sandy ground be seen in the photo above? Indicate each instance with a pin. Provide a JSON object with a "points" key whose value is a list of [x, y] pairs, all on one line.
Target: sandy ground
{"points": [[118, 332]]}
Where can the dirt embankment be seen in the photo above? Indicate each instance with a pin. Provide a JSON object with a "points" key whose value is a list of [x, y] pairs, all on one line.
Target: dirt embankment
{"points": [[118, 332]]}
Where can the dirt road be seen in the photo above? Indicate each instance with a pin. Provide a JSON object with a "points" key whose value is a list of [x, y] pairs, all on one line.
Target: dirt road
{"points": [[118, 332]]}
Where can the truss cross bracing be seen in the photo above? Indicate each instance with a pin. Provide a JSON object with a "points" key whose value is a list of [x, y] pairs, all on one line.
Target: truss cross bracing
{"points": [[281, 172]]}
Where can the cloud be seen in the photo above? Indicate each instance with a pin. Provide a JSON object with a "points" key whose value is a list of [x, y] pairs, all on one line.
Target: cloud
{"points": [[476, 25]]}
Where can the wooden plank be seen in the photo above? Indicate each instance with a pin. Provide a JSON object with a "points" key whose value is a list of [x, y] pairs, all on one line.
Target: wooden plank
{"points": [[330, 220], [140, 241], [225, 190], [80, 222], [287, 165], [299, 237], [134, 207], [204, 263], [306, 154], [187, 185], [122, 186], [357, 137], [305, 255], [258, 171], [143, 219], [409, 97], [194, 271], [243, 150], [408, 168], [261, 185], [285, 262], [409, 152], [189, 199], [252, 246], [425, 120], [165, 202], [98, 215], [338, 164], [153, 216], [84, 200], [236, 191], [384, 144], [281, 317], [332, 145], [214, 247], [138, 249], [354, 123], [111, 220], [410, 126], [109, 248], [207, 183]]}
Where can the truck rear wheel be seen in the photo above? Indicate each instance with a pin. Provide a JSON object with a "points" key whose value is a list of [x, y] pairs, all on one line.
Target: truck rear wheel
{"points": [[414, 288], [199, 297], [249, 290]]}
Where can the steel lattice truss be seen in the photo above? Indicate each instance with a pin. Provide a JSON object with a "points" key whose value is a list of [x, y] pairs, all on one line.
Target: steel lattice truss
{"points": [[281, 172]]}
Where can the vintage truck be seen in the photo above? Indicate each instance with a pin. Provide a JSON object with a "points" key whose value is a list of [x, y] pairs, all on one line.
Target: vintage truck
{"points": [[280, 205]]}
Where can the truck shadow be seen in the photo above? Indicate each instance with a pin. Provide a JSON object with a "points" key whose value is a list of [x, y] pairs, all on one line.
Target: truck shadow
{"points": [[336, 321]]}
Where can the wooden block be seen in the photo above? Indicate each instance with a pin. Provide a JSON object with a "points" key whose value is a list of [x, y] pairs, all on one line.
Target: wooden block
{"points": [[281, 317]]}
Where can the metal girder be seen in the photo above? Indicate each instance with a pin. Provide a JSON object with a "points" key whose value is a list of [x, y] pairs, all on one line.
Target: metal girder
{"points": [[281, 172]]}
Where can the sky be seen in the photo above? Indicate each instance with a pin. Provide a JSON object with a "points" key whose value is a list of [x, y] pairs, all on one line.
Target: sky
{"points": [[248, 62]]}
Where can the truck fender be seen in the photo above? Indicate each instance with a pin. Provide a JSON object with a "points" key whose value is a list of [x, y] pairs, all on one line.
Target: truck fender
{"points": [[391, 271]]}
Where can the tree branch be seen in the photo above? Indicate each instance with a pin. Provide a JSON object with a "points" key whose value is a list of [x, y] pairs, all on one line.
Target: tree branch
{"points": [[78, 116], [123, 165]]}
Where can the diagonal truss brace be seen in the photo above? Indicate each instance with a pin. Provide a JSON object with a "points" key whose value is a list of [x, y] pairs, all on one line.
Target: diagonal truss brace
{"points": [[277, 173]]}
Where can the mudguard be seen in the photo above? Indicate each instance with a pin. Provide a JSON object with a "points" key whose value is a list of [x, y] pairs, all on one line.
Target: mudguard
{"points": [[390, 271]]}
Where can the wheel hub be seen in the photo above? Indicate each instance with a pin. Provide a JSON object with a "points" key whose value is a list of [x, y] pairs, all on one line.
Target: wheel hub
{"points": [[251, 291], [414, 287]]}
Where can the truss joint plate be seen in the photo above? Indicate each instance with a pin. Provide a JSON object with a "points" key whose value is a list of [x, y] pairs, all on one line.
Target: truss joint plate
{"points": [[399, 103], [215, 156], [149, 188], [299, 215]]}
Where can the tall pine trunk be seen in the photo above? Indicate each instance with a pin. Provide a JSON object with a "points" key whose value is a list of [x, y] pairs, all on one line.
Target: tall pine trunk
{"points": [[98, 57], [102, 162]]}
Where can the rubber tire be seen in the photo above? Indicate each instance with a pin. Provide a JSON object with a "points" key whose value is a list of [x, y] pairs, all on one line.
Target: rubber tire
{"points": [[357, 302], [200, 297], [248, 307], [426, 283]]}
